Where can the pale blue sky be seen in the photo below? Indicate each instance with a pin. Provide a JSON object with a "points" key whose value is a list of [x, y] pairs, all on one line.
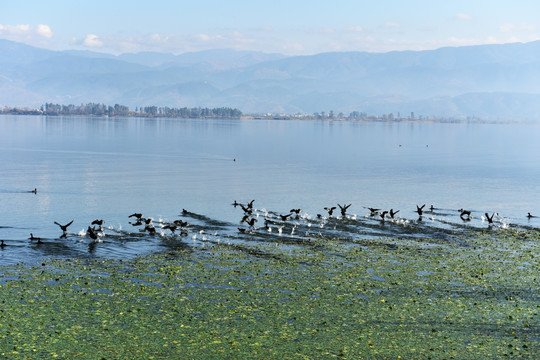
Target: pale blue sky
{"points": [[292, 27]]}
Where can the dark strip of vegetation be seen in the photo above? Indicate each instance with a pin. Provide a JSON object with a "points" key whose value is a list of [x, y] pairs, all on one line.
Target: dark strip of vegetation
{"points": [[95, 109]]}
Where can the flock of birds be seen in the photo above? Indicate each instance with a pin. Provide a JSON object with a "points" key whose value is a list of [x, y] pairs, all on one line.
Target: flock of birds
{"points": [[95, 229], [383, 215], [250, 218]]}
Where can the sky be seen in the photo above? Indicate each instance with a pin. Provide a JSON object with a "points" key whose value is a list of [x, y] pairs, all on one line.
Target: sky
{"points": [[290, 27]]}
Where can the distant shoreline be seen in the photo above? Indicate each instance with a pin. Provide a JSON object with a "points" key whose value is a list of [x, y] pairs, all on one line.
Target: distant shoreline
{"points": [[119, 111]]}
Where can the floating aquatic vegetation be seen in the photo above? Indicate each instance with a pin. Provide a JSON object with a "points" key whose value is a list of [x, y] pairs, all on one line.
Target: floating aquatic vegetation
{"points": [[473, 297]]}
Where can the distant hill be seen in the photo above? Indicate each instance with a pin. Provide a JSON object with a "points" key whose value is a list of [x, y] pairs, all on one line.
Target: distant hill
{"points": [[488, 81]]}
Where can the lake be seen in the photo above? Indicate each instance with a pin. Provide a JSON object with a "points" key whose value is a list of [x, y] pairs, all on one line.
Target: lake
{"points": [[108, 168]]}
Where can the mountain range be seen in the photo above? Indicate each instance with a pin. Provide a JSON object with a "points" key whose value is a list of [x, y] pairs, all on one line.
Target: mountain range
{"points": [[500, 81]]}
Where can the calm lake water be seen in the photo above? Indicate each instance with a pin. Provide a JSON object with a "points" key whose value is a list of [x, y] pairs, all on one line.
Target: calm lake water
{"points": [[108, 168]]}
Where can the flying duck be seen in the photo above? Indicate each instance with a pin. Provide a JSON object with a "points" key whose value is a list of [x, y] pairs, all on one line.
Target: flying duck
{"points": [[98, 222], [343, 209], [330, 210], [251, 222], [392, 213], [91, 232], [372, 211], [284, 217], [489, 218], [383, 214], [64, 227], [420, 209]]}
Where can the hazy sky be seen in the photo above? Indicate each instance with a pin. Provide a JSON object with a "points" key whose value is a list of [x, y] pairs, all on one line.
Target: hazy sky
{"points": [[292, 27]]}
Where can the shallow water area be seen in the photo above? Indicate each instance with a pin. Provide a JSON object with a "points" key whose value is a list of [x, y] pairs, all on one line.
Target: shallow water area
{"points": [[109, 168]]}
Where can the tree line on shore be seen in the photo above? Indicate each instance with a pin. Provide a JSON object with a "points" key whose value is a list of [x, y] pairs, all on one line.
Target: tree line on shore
{"points": [[97, 109]]}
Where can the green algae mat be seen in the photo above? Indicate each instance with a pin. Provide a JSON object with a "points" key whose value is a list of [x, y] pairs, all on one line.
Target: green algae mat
{"points": [[476, 298]]}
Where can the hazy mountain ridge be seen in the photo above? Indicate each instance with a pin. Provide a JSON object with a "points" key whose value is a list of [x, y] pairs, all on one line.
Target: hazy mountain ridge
{"points": [[488, 81]]}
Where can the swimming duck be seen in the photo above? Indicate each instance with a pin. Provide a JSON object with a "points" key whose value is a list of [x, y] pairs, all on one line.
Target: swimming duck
{"points": [[530, 216], [171, 227], [3, 244], [150, 228], [34, 191], [464, 214], [181, 223]]}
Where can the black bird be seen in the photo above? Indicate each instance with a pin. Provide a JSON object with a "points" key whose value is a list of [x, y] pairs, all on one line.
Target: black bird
{"points": [[181, 223], [296, 211], [464, 214], [383, 214], [372, 211], [489, 218], [246, 209], [171, 227], [150, 228], [431, 208], [98, 222], [64, 227], [242, 230], [392, 213], [420, 209], [91, 232], [32, 237], [284, 217], [34, 191], [235, 203], [250, 204], [136, 215], [251, 222], [330, 210], [529, 215], [3, 244], [245, 218], [343, 209]]}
